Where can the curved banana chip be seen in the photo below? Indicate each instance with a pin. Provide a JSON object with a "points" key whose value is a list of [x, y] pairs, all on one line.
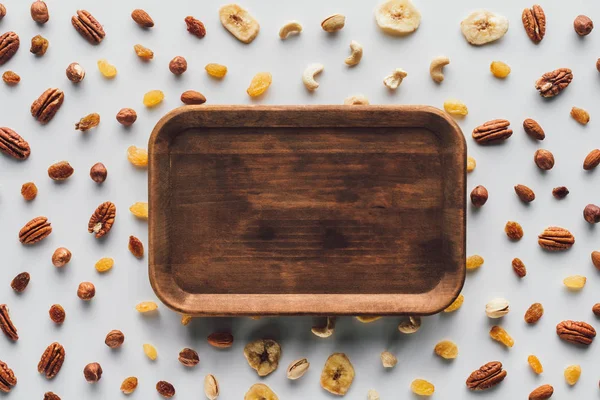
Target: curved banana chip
{"points": [[483, 26], [239, 22], [308, 77], [260, 391], [398, 17]]}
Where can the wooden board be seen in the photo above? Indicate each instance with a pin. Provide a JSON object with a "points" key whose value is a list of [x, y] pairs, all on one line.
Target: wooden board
{"points": [[320, 210]]}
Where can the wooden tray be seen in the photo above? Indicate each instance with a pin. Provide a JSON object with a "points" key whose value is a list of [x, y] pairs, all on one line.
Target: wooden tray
{"points": [[321, 210]]}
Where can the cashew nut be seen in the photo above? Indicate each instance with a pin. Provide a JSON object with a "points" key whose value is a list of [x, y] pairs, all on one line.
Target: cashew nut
{"points": [[356, 55], [436, 68], [358, 100], [290, 28], [395, 79], [325, 331], [308, 77]]}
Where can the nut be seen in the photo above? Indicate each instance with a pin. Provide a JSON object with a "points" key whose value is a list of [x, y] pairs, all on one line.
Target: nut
{"points": [[591, 213], [497, 308], [471, 164], [142, 18], [39, 12], [534, 22], [394, 80], [544, 159], [195, 27], [357, 100], [388, 360], [126, 116], [165, 389], [263, 355], [7, 377], [356, 54], [308, 76], [20, 282], [326, 330], [525, 194], [52, 360], [11, 78], [533, 129], [136, 247], [534, 313], [45, 107], [60, 171], [596, 259], [98, 172], [596, 309], [211, 387], [410, 325], [519, 267], [12, 144], [580, 115], [436, 68], [102, 219], [51, 396], [57, 314], [591, 160], [35, 230], [543, 392], [555, 238], [92, 372], [88, 26], [29, 191], [583, 25], [487, 376], [297, 368], [492, 131], [576, 332], [75, 72], [554, 82], [178, 65], [39, 45], [220, 340], [598, 64], [513, 230], [333, 23], [479, 196], [86, 291], [6, 324], [560, 192], [190, 97], [61, 257], [372, 394], [290, 28], [189, 357], [2, 11], [9, 44], [114, 339], [129, 385]]}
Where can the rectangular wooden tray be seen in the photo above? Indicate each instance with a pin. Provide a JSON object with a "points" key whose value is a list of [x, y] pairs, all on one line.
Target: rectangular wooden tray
{"points": [[307, 210]]}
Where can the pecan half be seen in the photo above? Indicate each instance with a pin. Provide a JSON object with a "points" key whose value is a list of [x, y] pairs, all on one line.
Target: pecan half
{"points": [[88, 26], [9, 44], [534, 22], [592, 160], [554, 82], [487, 376], [576, 332], [102, 219], [7, 378], [45, 107], [533, 129], [494, 130], [52, 360], [35, 230], [555, 238], [7, 326], [13, 144]]}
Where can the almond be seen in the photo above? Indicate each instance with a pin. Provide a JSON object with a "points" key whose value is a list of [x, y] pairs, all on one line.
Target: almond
{"points": [[142, 18], [592, 160], [525, 194], [192, 97], [543, 392]]}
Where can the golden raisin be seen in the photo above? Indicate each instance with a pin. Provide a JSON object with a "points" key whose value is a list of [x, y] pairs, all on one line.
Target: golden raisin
{"points": [[129, 385], [216, 70], [499, 69], [500, 335], [153, 98], [29, 191], [474, 262], [150, 351], [446, 349], [139, 209], [513, 230], [456, 107], [137, 156], [104, 264], [186, 319], [88, 122], [143, 52], [471, 164], [572, 374], [535, 364], [107, 69], [455, 304], [259, 84], [422, 387], [11, 78], [146, 306], [575, 282]]}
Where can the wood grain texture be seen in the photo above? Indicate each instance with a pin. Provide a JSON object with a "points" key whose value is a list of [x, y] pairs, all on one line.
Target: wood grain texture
{"points": [[323, 210]]}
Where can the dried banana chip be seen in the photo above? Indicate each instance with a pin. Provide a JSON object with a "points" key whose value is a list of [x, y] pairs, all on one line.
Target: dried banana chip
{"points": [[338, 374], [263, 355], [239, 22]]}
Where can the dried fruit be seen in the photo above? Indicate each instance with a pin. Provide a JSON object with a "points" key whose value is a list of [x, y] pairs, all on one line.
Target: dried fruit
{"points": [[102, 219], [52, 360], [456, 304], [591, 160], [388, 360], [9, 44], [525, 193], [114, 339], [92, 372], [220, 340], [11, 78], [492, 131], [533, 129], [543, 392], [572, 374], [554, 82], [357, 100], [397, 17], [13, 145], [500, 335], [29, 191], [86, 291], [308, 76], [446, 349], [88, 26], [104, 264], [139, 209], [216, 70], [487, 376], [107, 69], [297, 368], [560, 192], [259, 84], [2, 11], [45, 107], [150, 351], [60, 171], [195, 27], [7, 378], [535, 364], [189, 357], [143, 52], [178, 65], [57, 314], [497, 308], [333, 23], [263, 355], [372, 394], [325, 330], [422, 387], [153, 98], [239, 23], [136, 247], [75, 72], [126, 116], [88, 122], [39, 12], [35, 230], [534, 313], [191, 97], [39, 45], [576, 332], [534, 22], [394, 80], [519, 267], [186, 319], [337, 374], [583, 25], [211, 387], [6, 324], [410, 325], [51, 396], [474, 262], [436, 68], [165, 389], [482, 26], [260, 391], [456, 107], [142, 18], [580, 115], [479, 196], [499, 69], [146, 306], [20, 282], [98, 173], [61, 257], [129, 385], [555, 238], [355, 55], [513, 230]]}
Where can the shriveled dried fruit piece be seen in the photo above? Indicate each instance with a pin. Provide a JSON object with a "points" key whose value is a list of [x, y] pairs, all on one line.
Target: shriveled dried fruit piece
{"points": [[136, 247], [20, 282], [388, 360], [88, 122], [189, 357], [422, 387], [446, 349], [525, 193], [6, 324], [474, 262], [499, 69], [456, 107], [143, 52], [29, 191], [57, 314], [326, 330], [487, 376], [165, 389], [220, 340], [7, 378], [535, 364], [102, 219], [243, 26], [129, 385], [497, 308], [104, 264], [575, 282], [195, 26], [137, 156], [572, 374], [107, 69], [35, 230], [153, 98], [150, 351], [513, 230], [186, 319], [482, 26], [555, 238], [534, 313], [580, 115], [263, 355], [543, 392], [39, 45], [560, 192], [216, 70], [259, 84], [456, 304], [337, 374], [260, 391], [397, 17], [52, 360], [471, 164], [500, 335], [410, 325], [554, 82], [519, 267], [139, 209], [146, 306], [11, 78]]}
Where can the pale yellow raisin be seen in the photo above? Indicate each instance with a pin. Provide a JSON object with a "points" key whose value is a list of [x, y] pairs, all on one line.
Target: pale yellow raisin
{"points": [[456, 107], [259, 84], [216, 70], [499, 69], [422, 387], [146, 306], [572, 374], [535, 364], [455, 304], [139, 209], [150, 351], [88, 122], [500, 335], [186, 319], [137, 156], [143, 52], [446, 349], [471, 164], [474, 261], [575, 282], [104, 264], [107, 69], [153, 98]]}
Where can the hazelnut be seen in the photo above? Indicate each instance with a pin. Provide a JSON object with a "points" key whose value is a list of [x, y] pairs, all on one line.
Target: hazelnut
{"points": [[61, 257], [114, 339], [126, 116], [544, 159], [596, 309], [92, 372], [178, 65], [57, 313], [583, 25], [29, 191], [39, 12], [2, 11], [86, 291], [75, 72], [98, 173], [591, 213], [479, 196], [596, 259]]}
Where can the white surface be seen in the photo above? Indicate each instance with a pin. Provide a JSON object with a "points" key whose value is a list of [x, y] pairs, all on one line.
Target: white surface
{"points": [[499, 168]]}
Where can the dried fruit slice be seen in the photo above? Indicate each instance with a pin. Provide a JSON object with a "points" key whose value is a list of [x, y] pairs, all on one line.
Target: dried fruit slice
{"points": [[239, 22], [483, 26], [338, 374], [259, 84], [263, 355], [260, 391], [398, 17]]}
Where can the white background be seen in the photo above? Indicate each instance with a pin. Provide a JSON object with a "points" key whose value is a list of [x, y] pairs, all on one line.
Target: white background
{"points": [[68, 205]]}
